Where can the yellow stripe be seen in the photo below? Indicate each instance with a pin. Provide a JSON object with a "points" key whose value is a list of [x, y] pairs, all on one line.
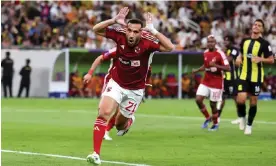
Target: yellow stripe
{"points": [[254, 69], [244, 64], [228, 74]]}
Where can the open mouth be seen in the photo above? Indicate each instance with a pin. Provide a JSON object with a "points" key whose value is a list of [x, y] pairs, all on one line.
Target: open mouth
{"points": [[131, 41]]}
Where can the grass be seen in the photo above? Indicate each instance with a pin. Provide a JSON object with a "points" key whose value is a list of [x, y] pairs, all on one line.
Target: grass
{"points": [[165, 133]]}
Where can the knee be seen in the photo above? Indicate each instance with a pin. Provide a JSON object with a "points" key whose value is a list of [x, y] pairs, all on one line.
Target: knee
{"points": [[104, 113], [198, 101], [241, 100]]}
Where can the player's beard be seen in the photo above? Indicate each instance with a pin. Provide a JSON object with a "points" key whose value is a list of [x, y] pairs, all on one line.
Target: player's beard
{"points": [[132, 42]]}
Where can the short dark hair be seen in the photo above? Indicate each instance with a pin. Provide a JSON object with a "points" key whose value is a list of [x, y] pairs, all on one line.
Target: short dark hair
{"points": [[261, 21], [28, 60], [230, 38], [8, 53], [136, 21]]}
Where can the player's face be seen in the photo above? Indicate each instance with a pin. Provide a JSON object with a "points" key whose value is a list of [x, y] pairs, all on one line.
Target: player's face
{"points": [[133, 34], [211, 43], [257, 27], [226, 42]]}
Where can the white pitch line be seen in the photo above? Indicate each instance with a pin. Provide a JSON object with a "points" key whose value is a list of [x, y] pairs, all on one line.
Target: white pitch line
{"points": [[68, 157]]}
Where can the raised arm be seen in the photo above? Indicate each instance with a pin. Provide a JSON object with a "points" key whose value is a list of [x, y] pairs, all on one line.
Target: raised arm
{"points": [[99, 28], [165, 43]]}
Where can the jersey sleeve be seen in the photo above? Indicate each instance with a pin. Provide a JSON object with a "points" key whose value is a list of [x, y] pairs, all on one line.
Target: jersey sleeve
{"points": [[234, 53], [154, 46], [110, 54], [267, 50], [113, 33], [223, 58]]}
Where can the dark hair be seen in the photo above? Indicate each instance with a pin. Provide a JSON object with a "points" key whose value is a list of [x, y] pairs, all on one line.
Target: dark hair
{"points": [[28, 60], [230, 38], [8, 53], [261, 21], [136, 21]]}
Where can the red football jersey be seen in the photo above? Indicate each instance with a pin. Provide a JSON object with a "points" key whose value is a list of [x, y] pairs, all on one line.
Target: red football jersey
{"points": [[131, 64], [214, 79]]}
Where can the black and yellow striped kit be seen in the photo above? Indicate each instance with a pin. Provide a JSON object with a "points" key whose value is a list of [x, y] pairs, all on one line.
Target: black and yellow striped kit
{"points": [[253, 72], [234, 73]]}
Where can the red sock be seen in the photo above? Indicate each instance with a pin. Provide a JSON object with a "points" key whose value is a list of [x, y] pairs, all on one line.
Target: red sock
{"points": [[205, 112], [110, 124], [99, 131], [215, 118]]}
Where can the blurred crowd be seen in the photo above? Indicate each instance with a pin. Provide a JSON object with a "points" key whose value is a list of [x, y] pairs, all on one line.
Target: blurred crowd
{"points": [[59, 24], [161, 86]]}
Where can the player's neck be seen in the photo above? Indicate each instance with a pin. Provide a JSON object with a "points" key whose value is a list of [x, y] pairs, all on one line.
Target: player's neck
{"points": [[212, 50], [255, 35]]}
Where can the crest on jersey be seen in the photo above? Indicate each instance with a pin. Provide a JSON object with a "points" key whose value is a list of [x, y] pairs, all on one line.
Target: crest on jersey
{"points": [[108, 89], [137, 50]]}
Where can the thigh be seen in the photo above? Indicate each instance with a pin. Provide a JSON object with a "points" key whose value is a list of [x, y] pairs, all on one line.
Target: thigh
{"points": [[107, 106], [114, 91], [203, 90], [131, 102], [254, 88], [215, 94]]}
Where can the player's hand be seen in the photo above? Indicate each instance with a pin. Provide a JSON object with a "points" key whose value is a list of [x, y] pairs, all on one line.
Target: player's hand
{"points": [[194, 71], [238, 61], [121, 16], [212, 64], [87, 78], [256, 59], [149, 24]]}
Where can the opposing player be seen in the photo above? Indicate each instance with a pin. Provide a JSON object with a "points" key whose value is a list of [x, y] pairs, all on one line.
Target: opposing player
{"points": [[255, 51], [126, 87], [211, 86], [230, 88]]}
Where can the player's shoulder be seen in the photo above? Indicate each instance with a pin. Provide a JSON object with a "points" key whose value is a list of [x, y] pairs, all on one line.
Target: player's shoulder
{"points": [[206, 51], [146, 36], [245, 39], [219, 51], [263, 41]]}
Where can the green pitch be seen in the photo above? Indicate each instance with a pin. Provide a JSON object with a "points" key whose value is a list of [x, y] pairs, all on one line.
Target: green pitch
{"points": [[165, 133]]}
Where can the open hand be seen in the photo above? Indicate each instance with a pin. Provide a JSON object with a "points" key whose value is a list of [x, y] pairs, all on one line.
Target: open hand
{"points": [[121, 16]]}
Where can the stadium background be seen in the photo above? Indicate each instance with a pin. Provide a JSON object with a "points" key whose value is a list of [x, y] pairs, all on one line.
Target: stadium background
{"points": [[165, 135]]}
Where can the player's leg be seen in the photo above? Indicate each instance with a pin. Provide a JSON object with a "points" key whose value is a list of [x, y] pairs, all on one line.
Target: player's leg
{"points": [[108, 104], [125, 117], [241, 99], [215, 114], [255, 90], [201, 93], [110, 125], [226, 92], [235, 93], [215, 96]]}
